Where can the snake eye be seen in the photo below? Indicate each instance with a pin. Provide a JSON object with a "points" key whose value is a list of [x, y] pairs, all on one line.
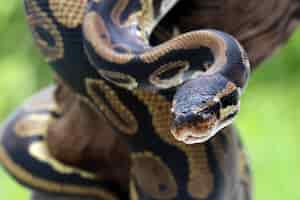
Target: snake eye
{"points": [[230, 106], [169, 75], [231, 99], [122, 80]]}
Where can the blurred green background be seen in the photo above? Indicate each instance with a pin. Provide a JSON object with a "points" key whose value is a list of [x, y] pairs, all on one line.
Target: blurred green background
{"points": [[269, 120]]}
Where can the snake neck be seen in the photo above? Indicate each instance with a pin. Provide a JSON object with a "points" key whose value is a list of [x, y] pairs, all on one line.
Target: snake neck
{"points": [[116, 38], [210, 65]]}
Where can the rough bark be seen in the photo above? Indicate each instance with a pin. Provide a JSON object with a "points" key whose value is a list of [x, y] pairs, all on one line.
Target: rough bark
{"points": [[82, 137]]}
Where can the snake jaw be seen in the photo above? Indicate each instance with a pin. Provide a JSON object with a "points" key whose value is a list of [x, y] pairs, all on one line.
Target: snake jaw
{"points": [[194, 127], [198, 126]]}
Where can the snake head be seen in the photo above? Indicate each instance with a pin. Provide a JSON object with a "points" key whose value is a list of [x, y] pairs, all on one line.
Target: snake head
{"points": [[203, 106]]}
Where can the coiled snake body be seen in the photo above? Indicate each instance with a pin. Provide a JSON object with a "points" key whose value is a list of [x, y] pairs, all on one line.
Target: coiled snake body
{"points": [[167, 102]]}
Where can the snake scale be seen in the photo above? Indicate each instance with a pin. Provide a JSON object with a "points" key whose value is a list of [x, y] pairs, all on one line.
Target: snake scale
{"points": [[172, 103]]}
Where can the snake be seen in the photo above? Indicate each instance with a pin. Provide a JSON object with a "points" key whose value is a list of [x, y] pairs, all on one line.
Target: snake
{"points": [[172, 100]]}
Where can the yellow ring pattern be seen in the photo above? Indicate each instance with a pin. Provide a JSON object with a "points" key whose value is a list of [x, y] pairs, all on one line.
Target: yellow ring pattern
{"points": [[117, 78], [40, 19], [68, 13], [175, 80], [109, 103], [39, 151], [32, 125], [50, 186]]}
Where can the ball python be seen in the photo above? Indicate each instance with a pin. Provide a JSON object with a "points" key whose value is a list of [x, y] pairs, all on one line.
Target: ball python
{"points": [[173, 103]]}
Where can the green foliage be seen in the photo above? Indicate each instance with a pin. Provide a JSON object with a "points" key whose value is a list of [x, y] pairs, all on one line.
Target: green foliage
{"points": [[268, 120], [22, 69]]}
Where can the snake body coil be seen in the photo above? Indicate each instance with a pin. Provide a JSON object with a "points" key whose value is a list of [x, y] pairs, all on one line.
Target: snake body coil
{"points": [[167, 101]]}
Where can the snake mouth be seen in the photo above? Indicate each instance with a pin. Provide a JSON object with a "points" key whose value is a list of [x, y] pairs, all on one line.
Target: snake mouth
{"points": [[193, 129]]}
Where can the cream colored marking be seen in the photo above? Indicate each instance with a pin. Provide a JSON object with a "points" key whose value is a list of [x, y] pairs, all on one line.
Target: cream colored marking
{"points": [[199, 73], [151, 173], [50, 186], [122, 80], [38, 18], [40, 105], [117, 11], [93, 26], [121, 117], [43, 101], [201, 182], [39, 151], [132, 189], [144, 17], [68, 13], [175, 80], [224, 112], [33, 125], [191, 40], [230, 87], [166, 6]]}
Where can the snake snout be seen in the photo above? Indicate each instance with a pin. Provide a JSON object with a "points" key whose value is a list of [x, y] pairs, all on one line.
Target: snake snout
{"points": [[202, 107], [194, 117], [195, 122], [195, 126]]}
